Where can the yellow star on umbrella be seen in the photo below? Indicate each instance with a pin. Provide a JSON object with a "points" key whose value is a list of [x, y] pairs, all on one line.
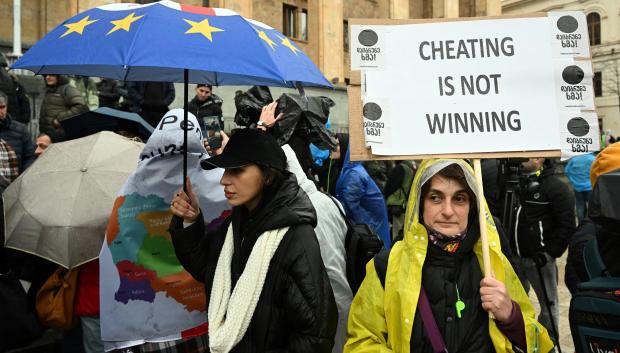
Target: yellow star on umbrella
{"points": [[203, 27], [262, 35], [78, 26], [124, 23], [287, 43]]}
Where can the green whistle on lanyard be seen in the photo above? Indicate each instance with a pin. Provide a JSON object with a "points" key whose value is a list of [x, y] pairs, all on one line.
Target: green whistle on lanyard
{"points": [[459, 305]]}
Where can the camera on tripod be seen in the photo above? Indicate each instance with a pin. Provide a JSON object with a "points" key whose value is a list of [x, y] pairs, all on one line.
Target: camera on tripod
{"points": [[511, 183]]}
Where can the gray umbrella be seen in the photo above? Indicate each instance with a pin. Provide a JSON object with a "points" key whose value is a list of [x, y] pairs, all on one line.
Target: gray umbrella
{"points": [[58, 208]]}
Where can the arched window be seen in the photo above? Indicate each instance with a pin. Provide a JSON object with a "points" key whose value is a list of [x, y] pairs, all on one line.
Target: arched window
{"points": [[594, 28]]}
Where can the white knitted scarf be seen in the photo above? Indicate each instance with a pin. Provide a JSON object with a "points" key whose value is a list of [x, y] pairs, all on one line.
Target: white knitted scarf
{"points": [[230, 314]]}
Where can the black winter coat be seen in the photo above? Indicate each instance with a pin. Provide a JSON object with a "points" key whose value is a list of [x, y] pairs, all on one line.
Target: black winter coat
{"points": [[108, 93], [296, 311], [18, 104], [60, 102], [440, 272], [16, 135], [575, 271], [546, 218], [211, 107]]}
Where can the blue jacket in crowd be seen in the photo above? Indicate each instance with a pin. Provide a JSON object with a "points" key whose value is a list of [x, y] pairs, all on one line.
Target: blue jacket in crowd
{"points": [[578, 171], [362, 199]]}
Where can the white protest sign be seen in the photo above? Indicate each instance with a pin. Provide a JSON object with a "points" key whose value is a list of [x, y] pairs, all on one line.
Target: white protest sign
{"points": [[569, 35], [474, 86], [370, 53], [580, 133], [574, 84]]}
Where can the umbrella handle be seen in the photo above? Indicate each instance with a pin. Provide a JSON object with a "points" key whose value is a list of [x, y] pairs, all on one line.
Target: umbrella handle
{"points": [[185, 107], [301, 91]]}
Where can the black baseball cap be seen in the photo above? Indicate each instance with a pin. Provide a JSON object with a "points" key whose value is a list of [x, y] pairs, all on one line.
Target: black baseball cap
{"points": [[248, 146]]}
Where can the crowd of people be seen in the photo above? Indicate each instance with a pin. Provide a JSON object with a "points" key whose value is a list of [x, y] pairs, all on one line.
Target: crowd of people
{"points": [[275, 271]]}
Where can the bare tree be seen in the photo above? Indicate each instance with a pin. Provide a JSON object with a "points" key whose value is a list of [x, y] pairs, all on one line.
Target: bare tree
{"points": [[611, 79], [610, 73]]}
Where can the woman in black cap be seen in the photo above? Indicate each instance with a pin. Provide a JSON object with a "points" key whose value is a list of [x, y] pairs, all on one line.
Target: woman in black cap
{"points": [[262, 268]]}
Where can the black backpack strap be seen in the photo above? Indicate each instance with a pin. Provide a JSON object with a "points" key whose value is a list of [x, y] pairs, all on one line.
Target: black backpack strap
{"points": [[594, 265], [338, 206], [381, 264]]}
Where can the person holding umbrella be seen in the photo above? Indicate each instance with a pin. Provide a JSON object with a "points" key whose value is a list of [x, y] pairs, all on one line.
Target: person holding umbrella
{"points": [[268, 286]]}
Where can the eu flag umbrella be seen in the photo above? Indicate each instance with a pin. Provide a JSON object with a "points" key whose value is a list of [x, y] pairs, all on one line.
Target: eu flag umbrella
{"points": [[157, 42], [170, 42]]}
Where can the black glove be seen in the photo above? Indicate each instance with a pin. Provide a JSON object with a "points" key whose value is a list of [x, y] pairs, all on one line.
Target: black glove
{"points": [[540, 259]]}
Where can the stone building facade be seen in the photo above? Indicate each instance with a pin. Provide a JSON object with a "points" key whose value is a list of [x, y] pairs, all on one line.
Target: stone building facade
{"points": [[318, 27], [604, 30]]}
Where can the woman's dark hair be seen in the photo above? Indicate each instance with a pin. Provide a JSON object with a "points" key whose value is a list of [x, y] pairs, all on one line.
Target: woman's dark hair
{"points": [[271, 176], [204, 85]]}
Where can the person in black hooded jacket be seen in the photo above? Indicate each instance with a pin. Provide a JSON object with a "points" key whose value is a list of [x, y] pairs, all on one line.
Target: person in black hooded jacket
{"points": [[545, 222], [266, 254], [206, 104]]}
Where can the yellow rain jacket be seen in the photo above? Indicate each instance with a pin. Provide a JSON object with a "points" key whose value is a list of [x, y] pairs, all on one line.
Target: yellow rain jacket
{"points": [[381, 320]]}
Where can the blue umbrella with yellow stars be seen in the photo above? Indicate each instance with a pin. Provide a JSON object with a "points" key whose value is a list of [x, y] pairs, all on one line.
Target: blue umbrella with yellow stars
{"points": [[170, 42], [159, 41]]}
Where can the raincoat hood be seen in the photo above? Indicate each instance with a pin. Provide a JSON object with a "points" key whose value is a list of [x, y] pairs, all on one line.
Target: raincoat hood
{"points": [[427, 170]]}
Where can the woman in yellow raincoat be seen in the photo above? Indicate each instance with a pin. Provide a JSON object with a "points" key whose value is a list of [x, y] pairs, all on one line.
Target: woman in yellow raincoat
{"points": [[441, 253]]}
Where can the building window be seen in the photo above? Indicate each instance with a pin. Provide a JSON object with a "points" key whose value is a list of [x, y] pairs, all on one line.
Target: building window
{"points": [[467, 8], [594, 28], [288, 21], [597, 81], [295, 22], [303, 24], [427, 8], [345, 32], [205, 3]]}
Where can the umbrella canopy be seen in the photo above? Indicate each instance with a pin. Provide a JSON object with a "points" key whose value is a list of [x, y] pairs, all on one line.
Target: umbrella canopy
{"points": [[106, 119], [58, 208], [157, 42]]}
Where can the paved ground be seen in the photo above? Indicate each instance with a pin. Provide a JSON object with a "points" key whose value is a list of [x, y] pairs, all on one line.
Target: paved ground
{"points": [[566, 340]]}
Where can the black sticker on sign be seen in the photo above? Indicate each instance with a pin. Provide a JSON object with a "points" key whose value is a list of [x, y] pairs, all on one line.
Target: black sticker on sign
{"points": [[372, 111], [573, 75], [578, 126], [567, 24], [368, 37]]}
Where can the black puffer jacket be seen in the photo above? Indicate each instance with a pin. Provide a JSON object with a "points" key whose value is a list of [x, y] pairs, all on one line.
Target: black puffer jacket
{"points": [[546, 218], [16, 135], [61, 102], [296, 311], [440, 272], [211, 107]]}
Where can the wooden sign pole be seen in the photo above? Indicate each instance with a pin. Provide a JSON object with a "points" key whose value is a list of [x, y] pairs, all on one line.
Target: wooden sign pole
{"points": [[484, 237]]}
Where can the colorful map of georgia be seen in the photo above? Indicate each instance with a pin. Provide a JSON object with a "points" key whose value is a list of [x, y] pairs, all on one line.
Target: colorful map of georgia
{"points": [[142, 251]]}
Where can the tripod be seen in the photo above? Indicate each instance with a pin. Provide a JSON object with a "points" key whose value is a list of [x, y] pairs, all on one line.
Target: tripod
{"points": [[511, 181]]}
